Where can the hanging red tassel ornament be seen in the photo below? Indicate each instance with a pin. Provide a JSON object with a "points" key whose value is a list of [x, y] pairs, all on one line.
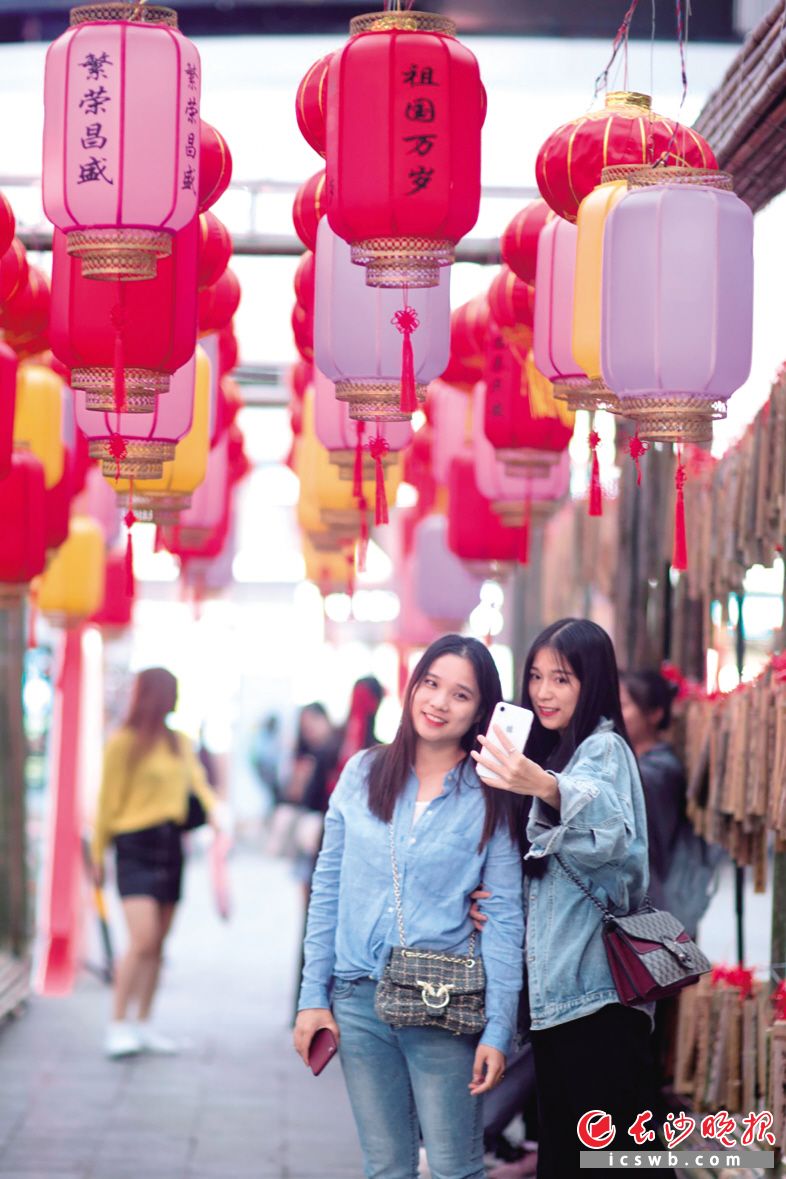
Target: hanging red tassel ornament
{"points": [[406, 320], [118, 451], [379, 447], [637, 448], [357, 486], [350, 559], [129, 520], [779, 1001], [362, 546], [679, 560], [32, 618], [595, 492], [118, 317]]}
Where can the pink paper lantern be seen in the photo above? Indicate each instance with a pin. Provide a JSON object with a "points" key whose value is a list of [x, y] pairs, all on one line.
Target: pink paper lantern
{"points": [[121, 137], [513, 496], [356, 341], [99, 501], [413, 627], [450, 413], [210, 500], [444, 588], [552, 343], [136, 445], [677, 311]]}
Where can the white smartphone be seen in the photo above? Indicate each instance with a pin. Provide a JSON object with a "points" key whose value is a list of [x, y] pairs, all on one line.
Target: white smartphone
{"points": [[515, 723]]}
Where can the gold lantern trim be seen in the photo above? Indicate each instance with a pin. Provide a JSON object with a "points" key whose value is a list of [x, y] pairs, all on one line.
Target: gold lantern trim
{"points": [[144, 14], [142, 387], [344, 461], [523, 461], [403, 261], [380, 401], [130, 255]]}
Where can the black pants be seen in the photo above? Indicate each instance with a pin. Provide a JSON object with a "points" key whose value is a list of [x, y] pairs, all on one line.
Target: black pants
{"points": [[602, 1061]]}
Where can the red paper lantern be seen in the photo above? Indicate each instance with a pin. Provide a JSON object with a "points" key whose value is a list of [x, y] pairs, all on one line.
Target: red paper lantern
{"points": [[405, 108], [25, 318], [469, 327], [304, 281], [215, 166], [7, 223], [227, 351], [143, 330], [519, 242], [475, 532], [13, 271], [309, 208], [311, 105], [215, 250], [303, 331], [301, 376], [512, 306], [522, 439], [57, 506], [116, 610], [570, 162], [8, 367], [218, 303], [418, 469], [22, 537]]}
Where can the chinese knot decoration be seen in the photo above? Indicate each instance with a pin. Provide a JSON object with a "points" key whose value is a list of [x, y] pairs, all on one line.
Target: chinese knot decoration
{"points": [[121, 137], [626, 131], [405, 106]]}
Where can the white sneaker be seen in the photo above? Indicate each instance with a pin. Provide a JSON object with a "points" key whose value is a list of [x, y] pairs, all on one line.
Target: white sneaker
{"points": [[152, 1041], [122, 1039]]}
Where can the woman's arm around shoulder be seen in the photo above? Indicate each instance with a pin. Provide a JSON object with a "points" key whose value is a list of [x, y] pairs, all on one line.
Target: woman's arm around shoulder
{"points": [[596, 822]]}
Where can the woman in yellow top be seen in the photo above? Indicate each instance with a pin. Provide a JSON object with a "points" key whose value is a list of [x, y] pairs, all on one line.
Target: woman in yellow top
{"points": [[149, 772]]}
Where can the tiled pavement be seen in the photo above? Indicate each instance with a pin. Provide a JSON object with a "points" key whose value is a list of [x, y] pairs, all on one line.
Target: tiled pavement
{"points": [[236, 1104]]}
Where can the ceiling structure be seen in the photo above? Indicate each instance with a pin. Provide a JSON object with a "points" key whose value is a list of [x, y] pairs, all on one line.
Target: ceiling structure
{"points": [[711, 20]]}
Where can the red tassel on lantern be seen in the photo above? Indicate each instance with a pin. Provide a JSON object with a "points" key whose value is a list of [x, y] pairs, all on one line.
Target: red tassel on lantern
{"points": [[525, 533], [129, 520], [350, 559], [32, 618], [379, 447], [637, 448], [362, 546], [595, 492], [679, 560], [357, 488], [406, 320]]}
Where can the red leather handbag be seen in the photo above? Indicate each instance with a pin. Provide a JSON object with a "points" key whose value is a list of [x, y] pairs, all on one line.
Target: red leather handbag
{"points": [[650, 955]]}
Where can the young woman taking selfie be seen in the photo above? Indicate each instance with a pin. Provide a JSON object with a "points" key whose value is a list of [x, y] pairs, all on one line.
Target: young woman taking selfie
{"points": [[409, 832]]}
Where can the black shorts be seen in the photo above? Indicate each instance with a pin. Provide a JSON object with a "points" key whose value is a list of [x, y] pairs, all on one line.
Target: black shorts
{"points": [[150, 863]]}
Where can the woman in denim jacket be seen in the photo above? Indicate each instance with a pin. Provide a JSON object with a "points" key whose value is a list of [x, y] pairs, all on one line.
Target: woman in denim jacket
{"points": [[449, 830], [586, 804]]}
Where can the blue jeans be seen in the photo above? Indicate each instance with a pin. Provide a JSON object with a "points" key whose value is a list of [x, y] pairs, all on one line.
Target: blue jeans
{"points": [[399, 1079]]}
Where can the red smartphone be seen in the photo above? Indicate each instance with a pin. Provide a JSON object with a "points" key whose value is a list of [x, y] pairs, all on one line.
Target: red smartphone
{"points": [[322, 1050]]}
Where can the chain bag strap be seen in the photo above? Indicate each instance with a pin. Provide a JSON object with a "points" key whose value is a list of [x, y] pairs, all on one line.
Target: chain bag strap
{"points": [[429, 988], [650, 955]]}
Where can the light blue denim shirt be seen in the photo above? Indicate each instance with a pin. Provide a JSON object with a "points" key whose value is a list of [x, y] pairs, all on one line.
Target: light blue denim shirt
{"points": [[352, 920], [601, 833]]}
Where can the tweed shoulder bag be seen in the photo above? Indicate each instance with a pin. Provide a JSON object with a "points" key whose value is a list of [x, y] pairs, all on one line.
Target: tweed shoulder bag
{"points": [[429, 988], [650, 954]]}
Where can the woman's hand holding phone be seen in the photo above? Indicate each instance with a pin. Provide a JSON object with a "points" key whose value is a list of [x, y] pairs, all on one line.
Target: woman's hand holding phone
{"points": [[510, 769], [308, 1023]]}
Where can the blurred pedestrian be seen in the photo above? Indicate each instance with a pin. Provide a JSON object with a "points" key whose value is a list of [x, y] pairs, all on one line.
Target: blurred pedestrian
{"points": [[585, 804], [409, 830], [150, 772], [266, 756]]}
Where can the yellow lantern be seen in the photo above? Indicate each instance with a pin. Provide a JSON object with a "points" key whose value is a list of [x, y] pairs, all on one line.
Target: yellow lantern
{"points": [[162, 500], [38, 418], [331, 572], [542, 400], [593, 211], [72, 587]]}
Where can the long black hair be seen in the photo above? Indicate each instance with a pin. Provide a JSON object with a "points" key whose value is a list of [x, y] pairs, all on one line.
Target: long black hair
{"points": [[392, 763], [584, 648], [650, 692]]}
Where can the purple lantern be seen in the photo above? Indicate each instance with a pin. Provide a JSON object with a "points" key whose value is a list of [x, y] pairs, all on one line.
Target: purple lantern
{"points": [[136, 445], [349, 442], [209, 501], [365, 338], [444, 587], [677, 312]]}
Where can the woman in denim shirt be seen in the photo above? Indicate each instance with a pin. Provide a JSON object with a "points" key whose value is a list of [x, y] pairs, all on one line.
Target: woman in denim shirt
{"points": [[582, 784], [449, 831]]}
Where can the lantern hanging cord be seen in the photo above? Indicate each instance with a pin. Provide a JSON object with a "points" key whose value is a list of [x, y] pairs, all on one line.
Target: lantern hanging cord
{"points": [[620, 42], [683, 15]]}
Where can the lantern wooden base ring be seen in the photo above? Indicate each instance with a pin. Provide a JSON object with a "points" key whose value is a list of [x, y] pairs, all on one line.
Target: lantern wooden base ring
{"points": [[341, 521], [126, 254], [141, 460], [152, 14], [588, 394], [670, 420], [524, 461], [514, 514], [376, 401], [344, 460], [142, 387], [407, 20], [402, 261], [159, 508], [328, 541]]}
